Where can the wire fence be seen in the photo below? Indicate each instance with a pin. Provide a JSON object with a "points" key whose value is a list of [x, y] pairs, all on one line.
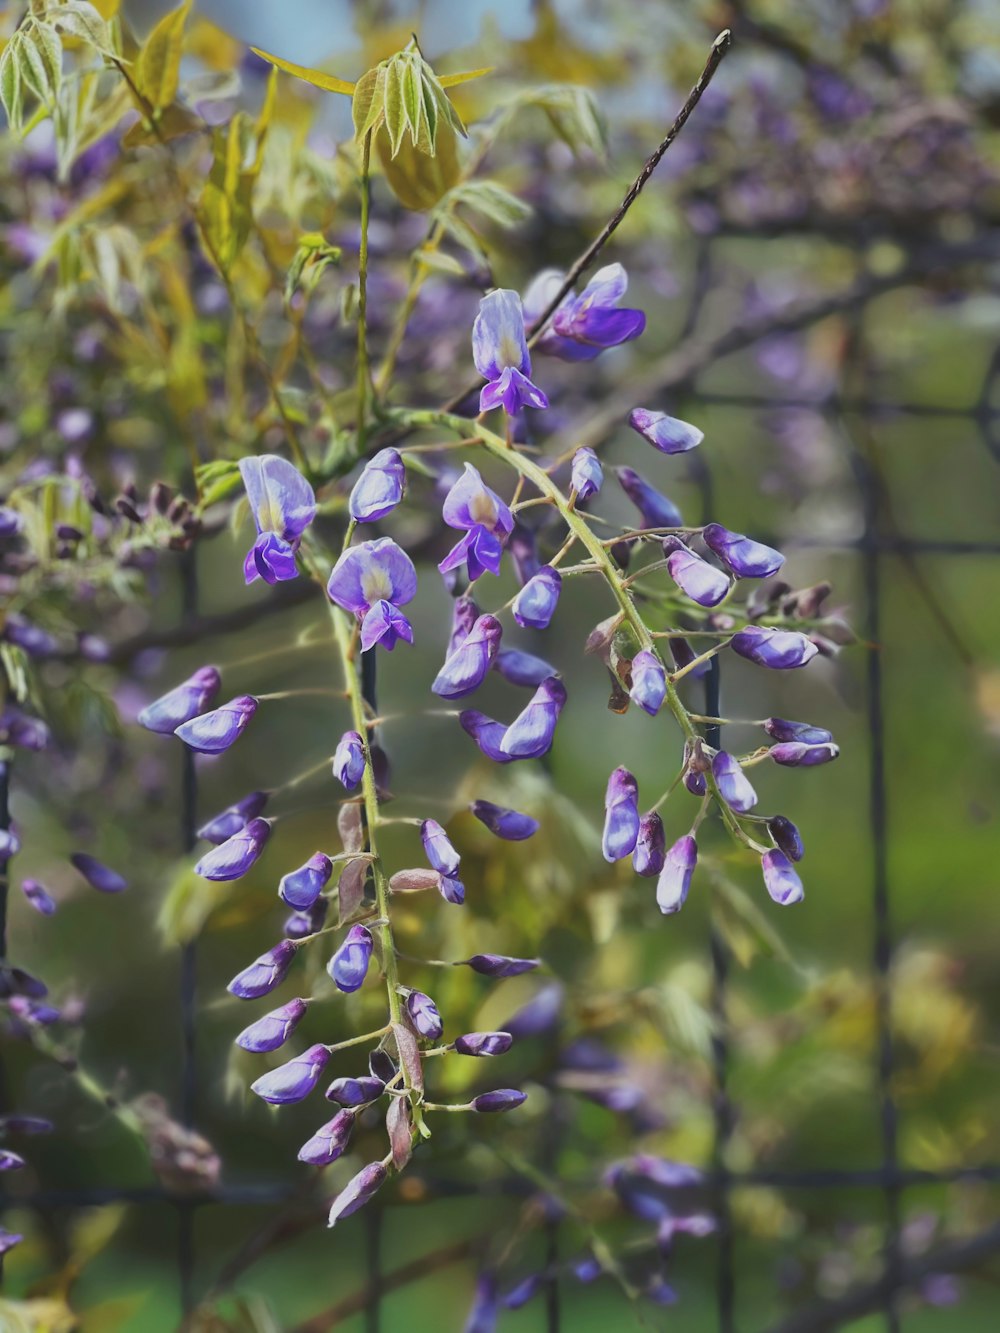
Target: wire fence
{"points": [[878, 541]]}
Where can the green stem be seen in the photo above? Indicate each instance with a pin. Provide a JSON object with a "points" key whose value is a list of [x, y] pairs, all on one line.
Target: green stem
{"points": [[363, 370]]}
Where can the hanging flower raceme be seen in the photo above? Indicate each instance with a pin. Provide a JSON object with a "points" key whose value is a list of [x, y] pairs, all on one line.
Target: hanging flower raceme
{"points": [[373, 581], [283, 505], [583, 326], [379, 489], [500, 352], [471, 506], [182, 703]]}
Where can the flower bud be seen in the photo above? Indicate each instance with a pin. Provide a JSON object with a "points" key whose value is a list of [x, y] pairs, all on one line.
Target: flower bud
{"points": [[522, 1292], [734, 785], [649, 682], [423, 1015], [695, 782], [22, 731], [213, 732], [274, 1029], [234, 818], [30, 638], [683, 655], [520, 668], [501, 1099], [98, 876], [796, 754], [11, 1161], [741, 555], [780, 879], [349, 760], [8, 1240], [299, 925], [452, 890], [486, 733], [381, 1065], [466, 668], [539, 1015], [464, 615], [530, 735], [787, 837], [357, 1192], [414, 881], [655, 510], [349, 965], [621, 819], [10, 845], [39, 897], [355, 1091], [438, 848], [779, 649], [300, 888], [586, 1269], [586, 474], [234, 857], [329, 1141], [379, 489], [675, 877], [668, 434], [508, 824], [695, 577], [483, 1043], [264, 973], [294, 1080], [650, 847], [781, 730], [535, 605], [498, 964]]}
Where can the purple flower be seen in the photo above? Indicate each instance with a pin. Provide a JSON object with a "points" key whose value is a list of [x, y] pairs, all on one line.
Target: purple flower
{"points": [[621, 816], [675, 877], [649, 682], [587, 1269], [683, 655], [234, 818], [24, 732], [741, 555], [586, 474], [11, 1161], [509, 824], [498, 965], [8, 1240], [668, 434], [650, 848], [349, 965], [695, 577], [294, 1080], [452, 890], [501, 355], [471, 506], [424, 1016], [349, 760], [264, 973], [234, 857], [780, 649], [10, 845], [379, 489], [734, 785], [520, 668], [300, 888], [10, 522], [796, 754], [213, 732], [39, 897], [98, 876], [539, 1015], [781, 730], [483, 1043], [787, 837], [655, 510], [357, 1192], [466, 667], [535, 604], [182, 703], [584, 326], [373, 580], [329, 1141], [283, 506], [300, 924], [501, 1099], [438, 849], [530, 735], [33, 640], [780, 879], [355, 1091], [487, 734], [274, 1029], [464, 615]]}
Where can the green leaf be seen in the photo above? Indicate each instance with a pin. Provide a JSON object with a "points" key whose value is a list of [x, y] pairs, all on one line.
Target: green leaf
{"points": [[491, 201], [216, 480], [368, 103], [158, 68], [40, 62], [80, 19], [328, 82], [312, 257], [396, 121], [453, 80], [11, 86]]}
